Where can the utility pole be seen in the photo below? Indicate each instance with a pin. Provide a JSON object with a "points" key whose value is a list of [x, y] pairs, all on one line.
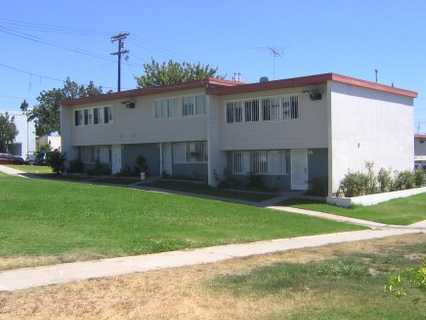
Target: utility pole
{"points": [[120, 39]]}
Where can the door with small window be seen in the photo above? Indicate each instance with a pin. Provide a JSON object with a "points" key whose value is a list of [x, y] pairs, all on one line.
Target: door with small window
{"points": [[166, 150]]}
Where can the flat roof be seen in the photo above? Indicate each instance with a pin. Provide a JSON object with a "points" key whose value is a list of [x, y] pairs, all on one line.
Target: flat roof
{"points": [[221, 87], [421, 136]]}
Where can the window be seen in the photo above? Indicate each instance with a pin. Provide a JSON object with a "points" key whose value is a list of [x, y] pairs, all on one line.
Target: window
{"points": [[259, 162], [271, 109], [234, 112], [95, 116], [251, 108], [86, 116], [200, 105], [78, 117], [187, 152], [196, 152], [290, 107], [107, 115], [188, 106]]}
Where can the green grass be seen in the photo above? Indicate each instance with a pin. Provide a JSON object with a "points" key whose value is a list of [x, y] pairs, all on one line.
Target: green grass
{"points": [[344, 287], [203, 189], [46, 217], [31, 169], [399, 211]]}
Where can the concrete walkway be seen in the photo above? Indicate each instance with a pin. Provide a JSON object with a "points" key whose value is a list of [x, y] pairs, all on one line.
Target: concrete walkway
{"points": [[334, 217], [63, 273], [10, 171]]}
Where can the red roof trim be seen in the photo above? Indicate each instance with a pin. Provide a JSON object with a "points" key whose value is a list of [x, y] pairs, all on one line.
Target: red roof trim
{"points": [[128, 94], [420, 136], [225, 87], [311, 80]]}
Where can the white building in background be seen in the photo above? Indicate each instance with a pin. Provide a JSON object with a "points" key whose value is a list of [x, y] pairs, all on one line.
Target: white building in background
{"points": [[420, 150], [52, 139], [25, 142]]}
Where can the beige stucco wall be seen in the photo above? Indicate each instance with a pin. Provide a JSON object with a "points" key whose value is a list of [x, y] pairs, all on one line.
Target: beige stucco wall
{"points": [[310, 131], [368, 125], [138, 125]]}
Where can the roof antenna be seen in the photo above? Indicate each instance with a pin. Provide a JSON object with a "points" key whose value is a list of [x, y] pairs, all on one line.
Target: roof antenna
{"points": [[377, 74]]}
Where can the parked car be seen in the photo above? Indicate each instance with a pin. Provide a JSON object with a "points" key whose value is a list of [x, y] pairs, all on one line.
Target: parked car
{"points": [[38, 159], [7, 158]]}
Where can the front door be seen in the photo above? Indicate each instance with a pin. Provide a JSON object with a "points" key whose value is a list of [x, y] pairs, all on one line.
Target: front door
{"points": [[299, 169], [167, 159], [116, 158]]}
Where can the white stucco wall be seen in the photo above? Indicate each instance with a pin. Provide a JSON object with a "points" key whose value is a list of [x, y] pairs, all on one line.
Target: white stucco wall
{"points": [[310, 131], [138, 125], [26, 132], [367, 125]]}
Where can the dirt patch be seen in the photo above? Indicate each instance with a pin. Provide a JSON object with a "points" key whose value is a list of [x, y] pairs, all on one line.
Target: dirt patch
{"points": [[179, 293]]}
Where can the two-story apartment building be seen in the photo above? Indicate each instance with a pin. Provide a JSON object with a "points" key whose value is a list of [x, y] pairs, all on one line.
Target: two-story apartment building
{"points": [[290, 132], [420, 150]]}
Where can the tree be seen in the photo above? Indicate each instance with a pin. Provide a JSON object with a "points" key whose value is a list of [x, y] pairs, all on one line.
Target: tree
{"points": [[8, 131], [46, 113], [172, 73], [56, 160]]}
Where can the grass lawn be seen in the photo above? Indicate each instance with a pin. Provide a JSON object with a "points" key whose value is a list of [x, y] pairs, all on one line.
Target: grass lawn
{"points": [[399, 211], [347, 286], [31, 169], [49, 218], [203, 189], [336, 282]]}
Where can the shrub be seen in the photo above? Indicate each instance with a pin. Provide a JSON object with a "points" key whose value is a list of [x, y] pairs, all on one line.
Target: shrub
{"points": [[405, 180], [255, 182], [141, 164], [100, 169], [385, 180], [420, 177], [76, 166], [56, 160], [354, 184], [371, 186], [318, 186]]}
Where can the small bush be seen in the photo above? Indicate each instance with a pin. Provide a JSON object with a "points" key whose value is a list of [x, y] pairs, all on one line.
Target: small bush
{"points": [[76, 166], [354, 184], [255, 182], [420, 177], [141, 164], [371, 186], [100, 169], [318, 186], [405, 180], [385, 180], [56, 160]]}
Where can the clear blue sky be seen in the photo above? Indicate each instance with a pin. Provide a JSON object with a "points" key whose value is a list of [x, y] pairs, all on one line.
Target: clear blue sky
{"points": [[348, 37]]}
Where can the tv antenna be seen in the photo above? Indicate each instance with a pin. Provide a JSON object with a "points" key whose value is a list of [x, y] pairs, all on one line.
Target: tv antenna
{"points": [[275, 53]]}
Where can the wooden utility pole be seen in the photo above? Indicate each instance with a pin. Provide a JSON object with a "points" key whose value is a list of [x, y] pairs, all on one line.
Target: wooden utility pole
{"points": [[120, 39]]}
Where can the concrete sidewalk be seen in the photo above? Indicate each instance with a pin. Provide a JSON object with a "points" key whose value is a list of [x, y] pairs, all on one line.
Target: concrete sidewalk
{"points": [[63, 273], [10, 171], [334, 217]]}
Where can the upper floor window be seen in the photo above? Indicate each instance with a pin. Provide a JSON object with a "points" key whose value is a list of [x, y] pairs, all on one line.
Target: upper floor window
{"points": [[263, 109], [93, 116], [234, 112], [251, 108], [170, 108]]}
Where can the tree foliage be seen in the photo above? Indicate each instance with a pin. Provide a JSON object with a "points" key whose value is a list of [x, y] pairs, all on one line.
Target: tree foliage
{"points": [[8, 131], [46, 113], [173, 72]]}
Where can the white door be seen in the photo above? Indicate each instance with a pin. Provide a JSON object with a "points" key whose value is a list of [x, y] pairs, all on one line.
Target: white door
{"points": [[116, 158], [299, 169], [167, 158]]}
